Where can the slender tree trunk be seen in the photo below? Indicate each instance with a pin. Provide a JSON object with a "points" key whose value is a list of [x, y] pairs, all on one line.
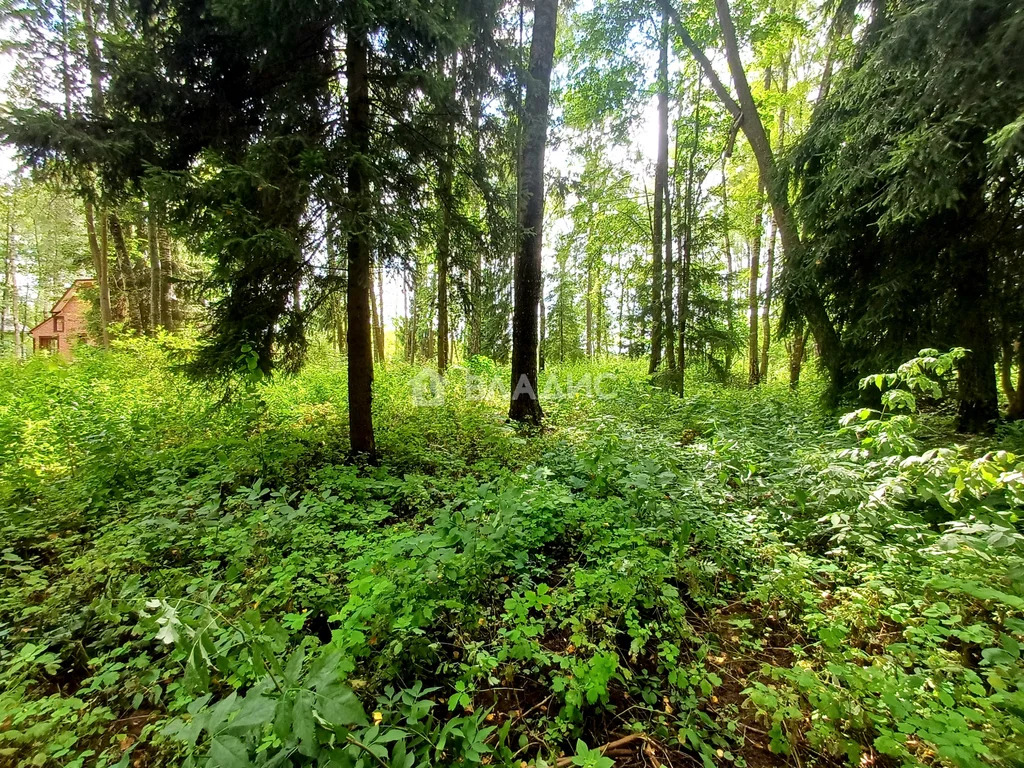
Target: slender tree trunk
{"points": [[5, 298], [93, 59], [376, 326], [670, 329], [660, 182], [360, 354], [728, 272], [126, 272], [797, 353], [155, 273], [525, 405], [99, 263], [475, 329], [590, 307], [446, 203], [167, 303], [753, 300], [12, 285], [766, 330], [978, 406], [770, 276], [1014, 394], [743, 108], [688, 211], [444, 252], [414, 318], [543, 325], [65, 68], [622, 298]]}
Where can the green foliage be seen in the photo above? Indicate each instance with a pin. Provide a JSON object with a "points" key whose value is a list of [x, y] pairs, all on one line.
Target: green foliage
{"points": [[195, 582]]}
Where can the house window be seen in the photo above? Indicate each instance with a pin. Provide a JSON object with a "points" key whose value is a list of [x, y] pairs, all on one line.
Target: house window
{"points": [[49, 343], [58, 324]]}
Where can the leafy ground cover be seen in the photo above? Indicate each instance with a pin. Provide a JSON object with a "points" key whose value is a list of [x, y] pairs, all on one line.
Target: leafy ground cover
{"points": [[732, 578]]}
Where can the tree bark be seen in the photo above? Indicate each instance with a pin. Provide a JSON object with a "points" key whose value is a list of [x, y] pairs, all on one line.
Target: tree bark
{"points": [[375, 325], [743, 108], [12, 286], [543, 326], [167, 304], [978, 398], [780, 139], [155, 273], [670, 329], [360, 351], [797, 353], [525, 404], [588, 299], [753, 300], [728, 272], [1014, 394], [766, 330], [446, 204], [127, 281], [93, 59], [688, 210], [98, 251], [660, 182]]}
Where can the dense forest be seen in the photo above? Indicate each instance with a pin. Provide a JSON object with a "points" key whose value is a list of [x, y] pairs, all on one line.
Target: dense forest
{"points": [[528, 384]]}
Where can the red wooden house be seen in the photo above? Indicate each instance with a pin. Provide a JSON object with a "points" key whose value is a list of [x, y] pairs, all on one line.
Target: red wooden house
{"points": [[66, 325]]}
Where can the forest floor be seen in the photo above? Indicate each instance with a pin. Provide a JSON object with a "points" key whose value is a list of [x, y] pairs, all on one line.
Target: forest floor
{"points": [[723, 579]]}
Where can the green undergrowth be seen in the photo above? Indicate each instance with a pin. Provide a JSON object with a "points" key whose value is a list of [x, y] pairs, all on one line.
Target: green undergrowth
{"points": [[732, 576]]}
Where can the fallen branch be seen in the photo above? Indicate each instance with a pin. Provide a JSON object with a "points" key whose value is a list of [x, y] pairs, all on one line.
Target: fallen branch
{"points": [[565, 761]]}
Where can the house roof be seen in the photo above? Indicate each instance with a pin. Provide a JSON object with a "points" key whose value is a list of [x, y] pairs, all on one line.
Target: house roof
{"points": [[62, 302], [69, 294]]}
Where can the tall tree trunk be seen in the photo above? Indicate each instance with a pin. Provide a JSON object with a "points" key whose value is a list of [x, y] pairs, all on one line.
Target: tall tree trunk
{"points": [[670, 297], [728, 271], [622, 298], [446, 202], [377, 327], [780, 138], [525, 405], [360, 351], [797, 353], [156, 293], [753, 300], [98, 251], [978, 406], [753, 295], [167, 302], [590, 306], [1014, 394], [543, 325], [65, 45], [93, 58], [414, 315], [12, 285], [688, 211], [744, 109], [766, 331], [475, 321], [126, 272], [660, 182]]}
